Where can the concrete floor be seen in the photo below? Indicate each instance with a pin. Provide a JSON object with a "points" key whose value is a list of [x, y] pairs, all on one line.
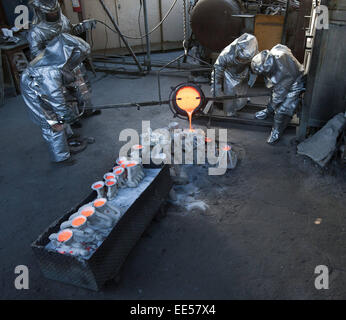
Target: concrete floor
{"points": [[258, 240]]}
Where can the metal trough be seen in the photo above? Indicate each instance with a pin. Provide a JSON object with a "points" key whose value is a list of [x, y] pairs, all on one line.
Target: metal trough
{"points": [[105, 263]]}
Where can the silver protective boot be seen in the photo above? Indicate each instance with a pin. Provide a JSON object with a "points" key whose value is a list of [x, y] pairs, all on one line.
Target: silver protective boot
{"points": [[281, 122], [264, 114]]}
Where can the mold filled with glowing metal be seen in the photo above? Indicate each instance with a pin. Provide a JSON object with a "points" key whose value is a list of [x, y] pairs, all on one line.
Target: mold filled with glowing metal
{"points": [[78, 221], [87, 211], [65, 235]]}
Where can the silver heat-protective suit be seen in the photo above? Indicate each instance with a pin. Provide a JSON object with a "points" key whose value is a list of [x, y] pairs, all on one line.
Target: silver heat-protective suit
{"points": [[43, 89], [48, 23], [284, 75], [232, 73]]}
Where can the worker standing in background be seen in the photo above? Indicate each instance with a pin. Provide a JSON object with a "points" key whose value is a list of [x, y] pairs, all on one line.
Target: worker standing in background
{"points": [[232, 75], [48, 23], [284, 75], [43, 87]]}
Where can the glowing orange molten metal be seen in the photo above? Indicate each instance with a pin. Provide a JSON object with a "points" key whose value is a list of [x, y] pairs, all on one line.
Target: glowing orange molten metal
{"points": [[65, 235], [99, 203], [109, 176], [188, 99], [88, 212], [77, 222]]}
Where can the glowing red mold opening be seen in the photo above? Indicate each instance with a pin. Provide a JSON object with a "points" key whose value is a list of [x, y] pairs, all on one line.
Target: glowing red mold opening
{"points": [[65, 235], [77, 222]]}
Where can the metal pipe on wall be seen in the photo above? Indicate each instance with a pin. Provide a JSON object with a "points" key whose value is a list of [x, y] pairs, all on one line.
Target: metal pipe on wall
{"points": [[117, 17], [147, 35], [120, 34], [161, 26], [284, 31]]}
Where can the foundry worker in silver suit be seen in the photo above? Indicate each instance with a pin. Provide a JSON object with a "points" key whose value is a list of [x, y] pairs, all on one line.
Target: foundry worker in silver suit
{"points": [[43, 86], [48, 23], [232, 74], [284, 75]]}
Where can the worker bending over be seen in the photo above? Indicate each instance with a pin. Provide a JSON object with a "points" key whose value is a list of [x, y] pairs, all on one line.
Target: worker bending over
{"points": [[44, 86], [284, 75], [232, 73]]}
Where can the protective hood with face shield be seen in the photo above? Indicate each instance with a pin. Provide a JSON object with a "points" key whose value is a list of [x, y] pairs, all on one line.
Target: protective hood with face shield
{"points": [[42, 86], [46, 10], [246, 48], [48, 23], [277, 65], [284, 74], [262, 63], [232, 74]]}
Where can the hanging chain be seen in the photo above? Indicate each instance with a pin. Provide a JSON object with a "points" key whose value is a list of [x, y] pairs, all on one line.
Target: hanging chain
{"points": [[185, 43]]}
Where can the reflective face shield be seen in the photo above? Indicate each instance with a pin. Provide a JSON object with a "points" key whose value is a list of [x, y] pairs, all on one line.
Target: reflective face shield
{"points": [[52, 17], [243, 60]]}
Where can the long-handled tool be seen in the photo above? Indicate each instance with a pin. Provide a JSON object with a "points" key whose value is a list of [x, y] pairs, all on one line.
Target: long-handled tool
{"points": [[177, 103], [185, 100]]}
